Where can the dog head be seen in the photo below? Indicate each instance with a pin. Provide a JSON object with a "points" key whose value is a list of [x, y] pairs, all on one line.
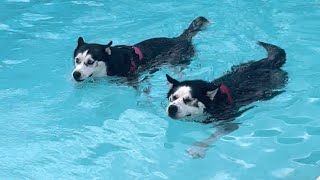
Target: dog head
{"points": [[188, 98], [90, 60]]}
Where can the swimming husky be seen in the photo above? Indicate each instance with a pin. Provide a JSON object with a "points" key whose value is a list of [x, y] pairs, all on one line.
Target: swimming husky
{"points": [[222, 98], [96, 60]]}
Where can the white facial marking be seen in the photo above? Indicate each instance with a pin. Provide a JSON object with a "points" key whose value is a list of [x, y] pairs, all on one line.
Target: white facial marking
{"points": [[185, 103], [87, 66]]}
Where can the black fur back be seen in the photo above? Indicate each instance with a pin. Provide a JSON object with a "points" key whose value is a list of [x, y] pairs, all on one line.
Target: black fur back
{"points": [[256, 80], [244, 84]]}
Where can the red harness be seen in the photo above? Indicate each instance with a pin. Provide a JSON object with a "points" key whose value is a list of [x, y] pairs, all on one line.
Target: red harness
{"points": [[134, 67], [225, 90]]}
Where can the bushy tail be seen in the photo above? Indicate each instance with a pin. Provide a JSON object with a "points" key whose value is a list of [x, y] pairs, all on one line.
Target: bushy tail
{"points": [[276, 55], [200, 23]]}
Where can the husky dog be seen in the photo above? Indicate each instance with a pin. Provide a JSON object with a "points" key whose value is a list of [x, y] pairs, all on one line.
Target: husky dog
{"points": [[98, 60], [222, 98]]}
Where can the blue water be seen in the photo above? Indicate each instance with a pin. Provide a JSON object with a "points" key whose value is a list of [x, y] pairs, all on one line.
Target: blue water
{"points": [[54, 128]]}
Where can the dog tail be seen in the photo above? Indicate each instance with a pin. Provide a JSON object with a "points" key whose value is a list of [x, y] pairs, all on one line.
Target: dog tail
{"points": [[276, 55], [200, 23]]}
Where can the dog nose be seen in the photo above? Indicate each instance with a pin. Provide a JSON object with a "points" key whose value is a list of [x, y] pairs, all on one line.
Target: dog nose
{"points": [[76, 75], [172, 110]]}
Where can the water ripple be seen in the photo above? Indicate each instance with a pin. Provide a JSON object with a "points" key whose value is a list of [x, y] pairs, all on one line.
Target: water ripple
{"points": [[222, 176], [35, 17], [4, 27], [9, 93], [282, 173], [295, 140], [266, 133], [241, 162], [89, 3], [18, 0], [13, 62], [311, 159], [50, 35], [313, 131]]}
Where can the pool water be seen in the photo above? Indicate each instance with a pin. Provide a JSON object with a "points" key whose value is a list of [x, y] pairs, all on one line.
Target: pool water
{"points": [[54, 128]]}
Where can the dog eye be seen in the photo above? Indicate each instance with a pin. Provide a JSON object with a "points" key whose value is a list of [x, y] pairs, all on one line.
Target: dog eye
{"points": [[90, 62], [78, 61], [174, 98], [186, 100]]}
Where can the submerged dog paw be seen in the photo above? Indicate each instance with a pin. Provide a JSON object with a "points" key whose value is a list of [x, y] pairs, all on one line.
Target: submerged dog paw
{"points": [[197, 151]]}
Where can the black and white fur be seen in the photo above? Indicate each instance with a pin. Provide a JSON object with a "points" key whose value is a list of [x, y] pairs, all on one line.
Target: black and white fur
{"points": [[246, 83], [98, 60]]}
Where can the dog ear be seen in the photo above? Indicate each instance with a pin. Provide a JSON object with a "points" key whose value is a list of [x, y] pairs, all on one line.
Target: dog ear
{"points": [[107, 48], [171, 81], [80, 41], [109, 44], [212, 94]]}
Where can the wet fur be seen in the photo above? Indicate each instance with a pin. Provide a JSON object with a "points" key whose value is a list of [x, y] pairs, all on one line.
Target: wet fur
{"points": [[247, 83], [156, 51]]}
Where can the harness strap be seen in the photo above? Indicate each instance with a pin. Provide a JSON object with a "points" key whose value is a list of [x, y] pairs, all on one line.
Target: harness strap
{"points": [[133, 66], [225, 90]]}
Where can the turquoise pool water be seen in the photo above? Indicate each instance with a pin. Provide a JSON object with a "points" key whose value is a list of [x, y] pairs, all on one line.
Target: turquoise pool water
{"points": [[54, 128]]}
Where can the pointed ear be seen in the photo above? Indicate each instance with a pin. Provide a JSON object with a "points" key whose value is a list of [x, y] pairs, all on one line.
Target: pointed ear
{"points": [[80, 41], [211, 94], [107, 48], [109, 44], [171, 81]]}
